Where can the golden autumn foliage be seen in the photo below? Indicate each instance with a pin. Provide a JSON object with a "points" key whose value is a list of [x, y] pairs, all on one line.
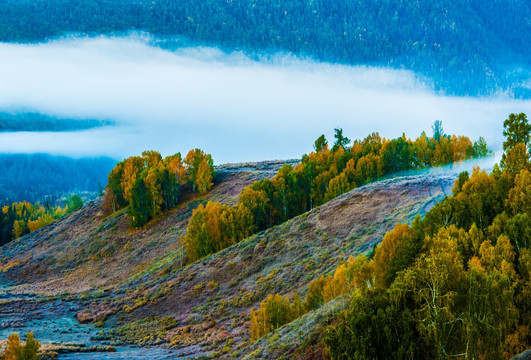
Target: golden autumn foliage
{"points": [[40, 222], [153, 181], [461, 288], [470, 307], [327, 173], [455, 284], [465, 290], [336, 285], [258, 204], [214, 227], [461, 147], [149, 184], [314, 296], [274, 312], [519, 199], [346, 277], [132, 167], [22, 218], [16, 351], [198, 165], [339, 185], [12, 347], [516, 159], [204, 179], [387, 252], [433, 282], [176, 168]]}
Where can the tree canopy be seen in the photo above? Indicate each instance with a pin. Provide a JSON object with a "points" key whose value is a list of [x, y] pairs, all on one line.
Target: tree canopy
{"points": [[454, 284], [148, 185], [321, 176], [516, 129]]}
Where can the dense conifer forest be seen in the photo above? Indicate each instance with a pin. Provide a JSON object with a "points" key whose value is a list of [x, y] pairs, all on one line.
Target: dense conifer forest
{"points": [[44, 178], [463, 47]]}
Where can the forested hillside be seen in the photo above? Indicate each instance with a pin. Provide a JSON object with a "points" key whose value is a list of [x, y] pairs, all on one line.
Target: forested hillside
{"points": [[340, 265], [454, 284], [45, 178], [21, 218], [321, 176], [464, 47], [377, 247]]}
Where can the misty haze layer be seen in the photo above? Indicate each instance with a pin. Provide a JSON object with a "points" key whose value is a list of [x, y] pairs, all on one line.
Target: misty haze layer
{"points": [[234, 107]]}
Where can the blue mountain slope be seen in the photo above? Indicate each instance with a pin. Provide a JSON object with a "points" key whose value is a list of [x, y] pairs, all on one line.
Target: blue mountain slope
{"points": [[469, 47]]}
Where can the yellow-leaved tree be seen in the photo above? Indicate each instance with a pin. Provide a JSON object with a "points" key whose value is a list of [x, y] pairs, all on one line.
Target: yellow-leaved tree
{"points": [[204, 179], [15, 351]]}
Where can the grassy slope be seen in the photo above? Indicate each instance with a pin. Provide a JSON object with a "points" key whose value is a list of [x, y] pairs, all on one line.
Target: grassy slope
{"points": [[85, 250], [131, 279], [211, 299]]}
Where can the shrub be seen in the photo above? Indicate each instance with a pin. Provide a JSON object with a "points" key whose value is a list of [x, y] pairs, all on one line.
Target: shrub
{"points": [[274, 312]]}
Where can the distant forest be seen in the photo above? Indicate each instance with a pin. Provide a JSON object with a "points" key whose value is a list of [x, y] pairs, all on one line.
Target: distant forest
{"points": [[465, 47], [38, 122], [45, 178]]}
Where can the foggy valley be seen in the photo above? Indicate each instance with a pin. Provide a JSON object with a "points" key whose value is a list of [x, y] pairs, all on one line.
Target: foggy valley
{"points": [[172, 100]]}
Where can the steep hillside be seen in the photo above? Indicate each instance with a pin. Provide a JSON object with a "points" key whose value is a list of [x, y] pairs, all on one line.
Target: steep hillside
{"points": [[133, 282], [85, 250], [204, 307]]}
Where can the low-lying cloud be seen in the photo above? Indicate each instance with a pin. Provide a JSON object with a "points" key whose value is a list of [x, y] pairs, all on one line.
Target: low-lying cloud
{"points": [[235, 107]]}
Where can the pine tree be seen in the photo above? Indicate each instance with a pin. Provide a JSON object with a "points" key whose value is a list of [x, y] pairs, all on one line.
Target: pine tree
{"points": [[517, 130], [341, 141]]}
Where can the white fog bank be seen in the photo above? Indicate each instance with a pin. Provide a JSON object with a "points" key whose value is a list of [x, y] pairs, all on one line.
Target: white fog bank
{"points": [[234, 107]]}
